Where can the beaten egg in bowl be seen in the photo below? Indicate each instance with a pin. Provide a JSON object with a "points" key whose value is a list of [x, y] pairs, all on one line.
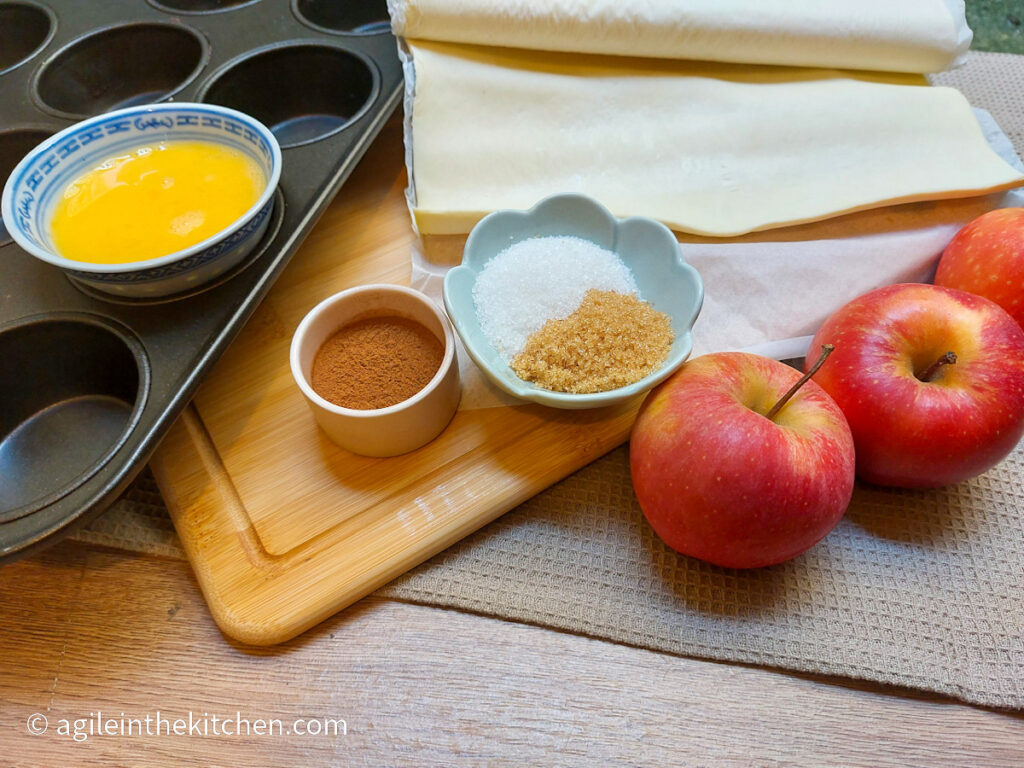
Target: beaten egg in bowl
{"points": [[154, 200]]}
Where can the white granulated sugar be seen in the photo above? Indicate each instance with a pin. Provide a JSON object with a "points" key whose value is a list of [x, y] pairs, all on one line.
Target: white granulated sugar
{"points": [[541, 279]]}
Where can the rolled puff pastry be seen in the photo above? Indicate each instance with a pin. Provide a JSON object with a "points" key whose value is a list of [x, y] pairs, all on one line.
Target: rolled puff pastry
{"points": [[888, 35]]}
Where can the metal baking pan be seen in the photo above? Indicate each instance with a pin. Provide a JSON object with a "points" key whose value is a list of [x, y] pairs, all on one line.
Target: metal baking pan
{"points": [[89, 384]]}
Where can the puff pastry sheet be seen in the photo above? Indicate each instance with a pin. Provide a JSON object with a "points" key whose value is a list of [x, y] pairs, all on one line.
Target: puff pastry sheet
{"points": [[707, 148]]}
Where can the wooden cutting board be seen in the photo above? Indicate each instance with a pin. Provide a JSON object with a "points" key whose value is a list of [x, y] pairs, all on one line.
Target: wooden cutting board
{"points": [[282, 527]]}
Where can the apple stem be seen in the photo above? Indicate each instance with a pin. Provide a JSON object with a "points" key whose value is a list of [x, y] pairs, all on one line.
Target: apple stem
{"points": [[947, 359], [826, 350]]}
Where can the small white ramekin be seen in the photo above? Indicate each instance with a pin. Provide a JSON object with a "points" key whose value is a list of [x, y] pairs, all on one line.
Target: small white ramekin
{"points": [[399, 428]]}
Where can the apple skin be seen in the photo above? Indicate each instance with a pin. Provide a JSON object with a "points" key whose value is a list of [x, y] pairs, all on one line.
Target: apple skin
{"points": [[720, 482], [986, 258], [915, 434]]}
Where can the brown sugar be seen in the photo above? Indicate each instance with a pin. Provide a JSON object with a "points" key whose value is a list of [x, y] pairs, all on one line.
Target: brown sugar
{"points": [[610, 341], [376, 362]]}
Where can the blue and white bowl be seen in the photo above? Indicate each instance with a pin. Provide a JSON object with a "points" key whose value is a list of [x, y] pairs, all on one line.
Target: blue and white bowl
{"points": [[36, 184]]}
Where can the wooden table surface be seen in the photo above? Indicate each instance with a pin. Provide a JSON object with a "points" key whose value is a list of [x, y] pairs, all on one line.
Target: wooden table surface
{"points": [[87, 630]]}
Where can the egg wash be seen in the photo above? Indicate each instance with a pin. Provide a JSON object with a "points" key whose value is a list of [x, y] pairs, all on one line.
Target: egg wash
{"points": [[153, 201]]}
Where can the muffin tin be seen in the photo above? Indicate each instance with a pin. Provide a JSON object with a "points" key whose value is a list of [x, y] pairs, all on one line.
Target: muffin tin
{"points": [[89, 383]]}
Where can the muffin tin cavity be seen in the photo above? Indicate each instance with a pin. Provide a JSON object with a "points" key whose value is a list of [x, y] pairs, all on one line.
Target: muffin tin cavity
{"points": [[120, 67], [71, 399], [352, 17], [200, 6], [24, 30], [302, 92]]}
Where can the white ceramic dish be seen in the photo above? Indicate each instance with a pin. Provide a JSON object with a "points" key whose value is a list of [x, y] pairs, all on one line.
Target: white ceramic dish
{"points": [[36, 183], [399, 428]]}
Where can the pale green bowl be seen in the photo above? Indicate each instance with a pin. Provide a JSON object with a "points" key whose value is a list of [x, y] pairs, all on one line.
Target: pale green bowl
{"points": [[647, 247]]}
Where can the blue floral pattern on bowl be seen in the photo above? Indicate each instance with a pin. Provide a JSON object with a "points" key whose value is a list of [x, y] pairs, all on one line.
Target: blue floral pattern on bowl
{"points": [[646, 246], [36, 184]]}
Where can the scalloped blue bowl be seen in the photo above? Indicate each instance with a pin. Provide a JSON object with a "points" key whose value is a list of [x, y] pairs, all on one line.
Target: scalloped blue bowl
{"points": [[647, 247], [35, 186]]}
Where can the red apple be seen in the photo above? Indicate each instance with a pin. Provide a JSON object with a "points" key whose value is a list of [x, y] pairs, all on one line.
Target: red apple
{"points": [[917, 422], [987, 258], [719, 480]]}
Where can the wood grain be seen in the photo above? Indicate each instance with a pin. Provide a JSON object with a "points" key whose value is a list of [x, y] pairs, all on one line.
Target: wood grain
{"points": [[283, 527], [90, 630]]}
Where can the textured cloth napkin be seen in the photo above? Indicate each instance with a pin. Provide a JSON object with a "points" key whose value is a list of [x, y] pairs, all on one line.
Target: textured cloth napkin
{"points": [[915, 588]]}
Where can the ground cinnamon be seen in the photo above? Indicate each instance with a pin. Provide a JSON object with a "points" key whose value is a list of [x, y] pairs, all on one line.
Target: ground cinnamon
{"points": [[376, 362]]}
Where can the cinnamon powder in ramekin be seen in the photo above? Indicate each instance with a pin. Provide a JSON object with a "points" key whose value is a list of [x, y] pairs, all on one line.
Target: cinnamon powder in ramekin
{"points": [[376, 362]]}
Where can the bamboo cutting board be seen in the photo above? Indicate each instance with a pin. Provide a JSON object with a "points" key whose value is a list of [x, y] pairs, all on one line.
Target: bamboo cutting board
{"points": [[282, 527]]}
